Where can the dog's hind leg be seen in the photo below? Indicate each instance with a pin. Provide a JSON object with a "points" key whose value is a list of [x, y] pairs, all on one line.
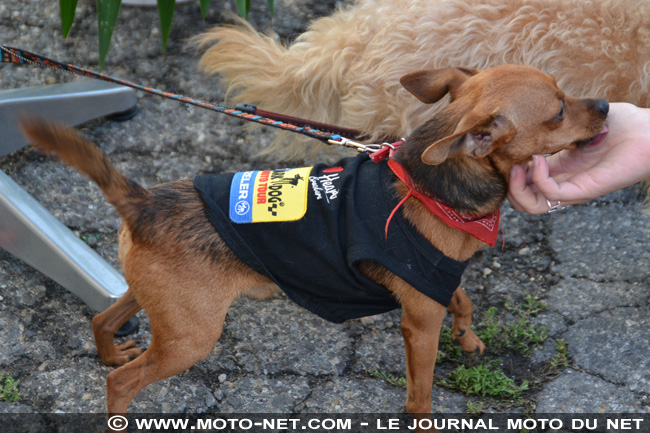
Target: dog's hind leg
{"points": [[107, 323], [182, 336], [186, 297], [169, 354], [461, 332]]}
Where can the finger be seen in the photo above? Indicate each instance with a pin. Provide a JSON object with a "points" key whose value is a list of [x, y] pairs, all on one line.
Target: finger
{"points": [[516, 183], [522, 196], [546, 185]]}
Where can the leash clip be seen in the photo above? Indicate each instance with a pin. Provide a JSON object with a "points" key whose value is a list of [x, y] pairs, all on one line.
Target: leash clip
{"points": [[360, 147], [346, 142]]}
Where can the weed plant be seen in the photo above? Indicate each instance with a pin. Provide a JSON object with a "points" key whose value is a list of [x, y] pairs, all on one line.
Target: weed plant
{"points": [[8, 388]]}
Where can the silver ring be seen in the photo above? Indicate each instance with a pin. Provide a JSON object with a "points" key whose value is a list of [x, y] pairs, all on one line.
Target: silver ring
{"points": [[554, 207]]}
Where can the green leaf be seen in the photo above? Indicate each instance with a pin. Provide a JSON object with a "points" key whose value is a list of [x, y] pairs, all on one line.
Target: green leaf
{"points": [[107, 11], [271, 6], [67, 9], [244, 7], [166, 11], [205, 4]]}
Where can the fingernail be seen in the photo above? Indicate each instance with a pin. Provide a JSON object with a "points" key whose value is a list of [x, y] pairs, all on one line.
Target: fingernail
{"points": [[536, 160]]}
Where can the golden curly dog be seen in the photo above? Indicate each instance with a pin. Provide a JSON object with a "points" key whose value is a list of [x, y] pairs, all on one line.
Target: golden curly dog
{"points": [[345, 69]]}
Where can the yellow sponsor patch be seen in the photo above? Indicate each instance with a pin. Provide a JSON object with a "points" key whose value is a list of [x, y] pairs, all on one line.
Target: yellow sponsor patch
{"points": [[269, 196]]}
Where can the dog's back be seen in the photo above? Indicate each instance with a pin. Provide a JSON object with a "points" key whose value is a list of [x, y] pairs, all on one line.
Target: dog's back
{"points": [[345, 69]]}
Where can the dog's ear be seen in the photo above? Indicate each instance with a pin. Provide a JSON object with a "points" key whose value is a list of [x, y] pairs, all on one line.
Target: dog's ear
{"points": [[430, 85], [475, 136]]}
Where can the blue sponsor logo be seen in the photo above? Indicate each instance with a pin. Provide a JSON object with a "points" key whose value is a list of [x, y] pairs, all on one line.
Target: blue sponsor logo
{"points": [[241, 197]]}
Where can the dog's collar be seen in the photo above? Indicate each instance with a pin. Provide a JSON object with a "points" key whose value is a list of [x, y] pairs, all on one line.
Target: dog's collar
{"points": [[485, 229]]}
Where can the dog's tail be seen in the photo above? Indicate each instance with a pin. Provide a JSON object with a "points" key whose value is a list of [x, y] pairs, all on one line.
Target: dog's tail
{"points": [[258, 69], [83, 155], [304, 80]]}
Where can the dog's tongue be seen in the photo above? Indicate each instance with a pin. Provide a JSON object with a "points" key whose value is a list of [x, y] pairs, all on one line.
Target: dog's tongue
{"points": [[600, 136]]}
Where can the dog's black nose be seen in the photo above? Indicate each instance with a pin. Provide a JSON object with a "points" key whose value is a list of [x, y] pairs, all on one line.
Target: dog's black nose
{"points": [[601, 106]]}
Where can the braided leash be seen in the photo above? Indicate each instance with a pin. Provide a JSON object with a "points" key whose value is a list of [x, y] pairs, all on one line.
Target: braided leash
{"points": [[378, 152], [242, 111]]}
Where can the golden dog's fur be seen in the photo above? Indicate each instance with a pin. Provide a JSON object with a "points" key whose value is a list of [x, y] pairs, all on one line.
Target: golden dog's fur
{"points": [[345, 69]]}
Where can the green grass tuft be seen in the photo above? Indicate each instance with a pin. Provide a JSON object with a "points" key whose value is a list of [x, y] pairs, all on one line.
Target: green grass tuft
{"points": [[8, 388], [485, 380], [399, 382]]}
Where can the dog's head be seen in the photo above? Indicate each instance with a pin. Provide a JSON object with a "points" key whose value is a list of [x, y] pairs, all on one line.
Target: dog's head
{"points": [[496, 118], [509, 112]]}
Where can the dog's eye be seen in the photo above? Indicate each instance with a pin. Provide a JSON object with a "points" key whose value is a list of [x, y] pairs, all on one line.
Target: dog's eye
{"points": [[560, 115]]}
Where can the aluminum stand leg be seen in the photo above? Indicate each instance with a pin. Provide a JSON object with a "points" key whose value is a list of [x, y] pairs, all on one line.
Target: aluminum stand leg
{"points": [[29, 231]]}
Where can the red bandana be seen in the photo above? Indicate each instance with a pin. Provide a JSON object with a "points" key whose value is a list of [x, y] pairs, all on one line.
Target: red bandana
{"points": [[485, 229]]}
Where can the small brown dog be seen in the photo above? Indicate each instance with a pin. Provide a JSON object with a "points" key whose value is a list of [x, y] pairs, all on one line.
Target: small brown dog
{"points": [[345, 68], [178, 265]]}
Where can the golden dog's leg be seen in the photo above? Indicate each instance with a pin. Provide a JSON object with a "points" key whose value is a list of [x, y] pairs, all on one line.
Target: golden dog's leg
{"points": [[461, 332]]}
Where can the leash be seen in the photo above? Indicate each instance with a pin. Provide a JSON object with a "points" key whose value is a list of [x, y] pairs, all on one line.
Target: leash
{"points": [[486, 227], [321, 131]]}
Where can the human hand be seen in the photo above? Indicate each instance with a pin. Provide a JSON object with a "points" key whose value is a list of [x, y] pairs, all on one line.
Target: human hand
{"points": [[621, 159]]}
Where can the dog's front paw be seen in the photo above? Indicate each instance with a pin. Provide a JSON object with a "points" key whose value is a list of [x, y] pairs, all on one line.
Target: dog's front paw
{"points": [[467, 340]]}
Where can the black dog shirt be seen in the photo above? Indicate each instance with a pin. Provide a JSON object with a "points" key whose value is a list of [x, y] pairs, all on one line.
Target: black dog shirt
{"points": [[306, 229]]}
